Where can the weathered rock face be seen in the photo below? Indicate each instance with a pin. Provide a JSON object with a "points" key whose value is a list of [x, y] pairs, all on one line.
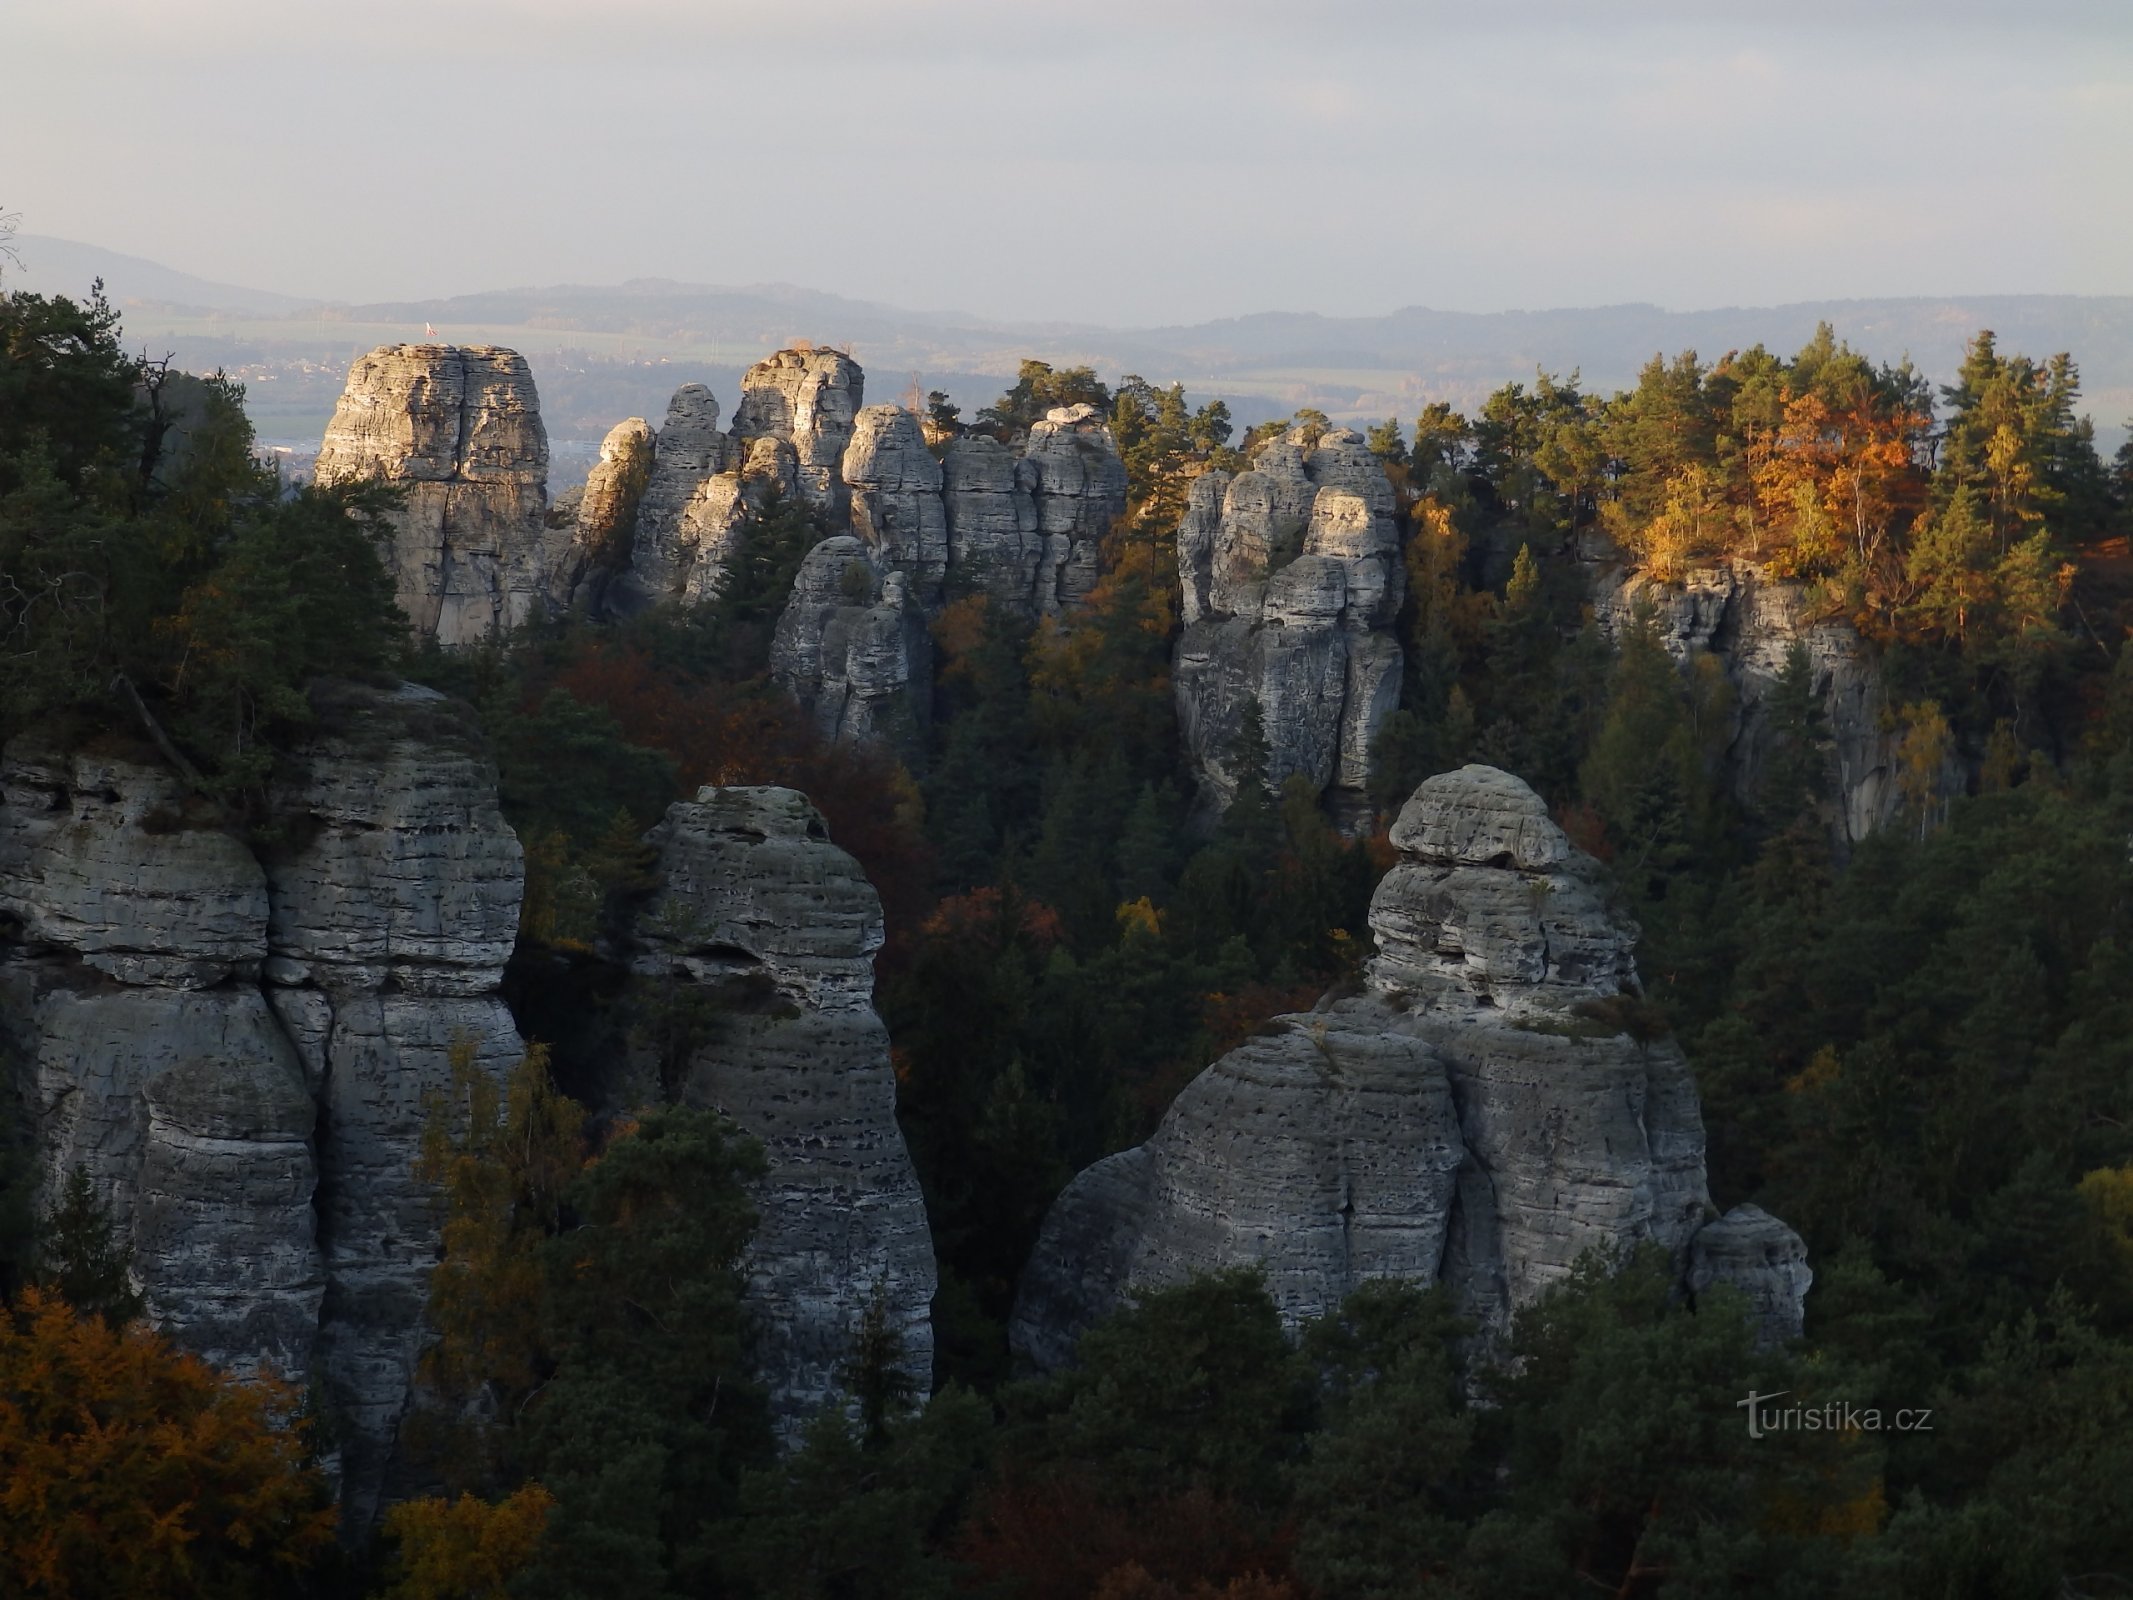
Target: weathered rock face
{"points": [[851, 646], [459, 429], [667, 547], [145, 1053], [1292, 579], [1749, 622], [1752, 1251], [1474, 1117], [755, 900], [895, 489], [1078, 487], [238, 1049], [390, 926], [602, 515], [994, 547], [811, 400]]}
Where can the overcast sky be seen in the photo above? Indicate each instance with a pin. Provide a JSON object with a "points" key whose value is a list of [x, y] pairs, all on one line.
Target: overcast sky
{"points": [[1116, 161]]}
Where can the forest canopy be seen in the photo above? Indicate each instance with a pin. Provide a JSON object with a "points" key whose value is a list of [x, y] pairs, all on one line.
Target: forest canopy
{"points": [[1913, 1046]]}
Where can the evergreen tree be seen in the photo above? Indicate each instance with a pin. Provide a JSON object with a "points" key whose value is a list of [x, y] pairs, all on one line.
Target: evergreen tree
{"points": [[79, 1257]]}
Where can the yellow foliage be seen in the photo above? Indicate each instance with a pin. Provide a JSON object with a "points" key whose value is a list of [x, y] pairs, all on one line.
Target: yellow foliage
{"points": [[1819, 1073], [465, 1549], [2109, 1194], [1140, 916]]}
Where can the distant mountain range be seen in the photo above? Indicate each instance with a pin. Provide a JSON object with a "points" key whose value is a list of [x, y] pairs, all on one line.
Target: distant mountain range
{"points": [[601, 353]]}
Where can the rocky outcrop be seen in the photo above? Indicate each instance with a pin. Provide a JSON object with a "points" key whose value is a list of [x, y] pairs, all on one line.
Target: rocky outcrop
{"points": [[458, 430], [994, 548], [852, 647], [394, 910], [145, 1053], [756, 906], [1480, 1115], [602, 515], [1752, 1252], [667, 545], [895, 489], [1292, 578], [1749, 622], [1078, 489], [237, 1045], [811, 400]]}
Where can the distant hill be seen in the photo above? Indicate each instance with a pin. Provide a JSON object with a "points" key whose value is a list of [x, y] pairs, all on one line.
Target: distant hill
{"points": [[603, 352]]}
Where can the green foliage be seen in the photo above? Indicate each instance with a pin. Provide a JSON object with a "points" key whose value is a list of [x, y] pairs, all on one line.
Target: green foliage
{"points": [[174, 592], [849, 1518], [1194, 1387], [79, 1258], [1038, 389]]}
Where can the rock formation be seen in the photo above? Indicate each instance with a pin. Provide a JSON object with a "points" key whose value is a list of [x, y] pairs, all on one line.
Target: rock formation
{"points": [[811, 400], [994, 548], [852, 647], [1478, 1116], [1766, 1261], [1292, 578], [1750, 622], [237, 1047], [602, 515], [1078, 485], [458, 428], [756, 906], [393, 914], [665, 548], [895, 489], [143, 1050]]}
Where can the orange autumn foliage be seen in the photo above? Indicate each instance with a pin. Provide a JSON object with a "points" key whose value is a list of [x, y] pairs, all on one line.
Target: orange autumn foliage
{"points": [[465, 1549], [128, 1468]]}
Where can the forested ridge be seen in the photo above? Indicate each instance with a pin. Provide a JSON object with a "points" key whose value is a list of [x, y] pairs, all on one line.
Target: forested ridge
{"points": [[1918, 1050]]}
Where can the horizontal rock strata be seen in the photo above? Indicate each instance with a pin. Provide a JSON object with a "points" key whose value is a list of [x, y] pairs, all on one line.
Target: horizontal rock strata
{"points": [[458, 430], [756, 905], [1478, 1116]]}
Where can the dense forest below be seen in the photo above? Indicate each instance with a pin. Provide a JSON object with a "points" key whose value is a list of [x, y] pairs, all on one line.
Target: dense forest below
{"points": [[1916, 1048]]}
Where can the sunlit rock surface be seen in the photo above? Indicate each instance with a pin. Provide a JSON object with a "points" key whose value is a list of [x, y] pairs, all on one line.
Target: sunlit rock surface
{"points": [[457, 428]]}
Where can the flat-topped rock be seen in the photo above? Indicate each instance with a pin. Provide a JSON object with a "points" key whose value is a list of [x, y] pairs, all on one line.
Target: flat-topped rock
{"points": [[458, 429]]}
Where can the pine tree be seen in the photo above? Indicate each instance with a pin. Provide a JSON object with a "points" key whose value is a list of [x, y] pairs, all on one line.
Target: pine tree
{"points": [[80, 1258]]}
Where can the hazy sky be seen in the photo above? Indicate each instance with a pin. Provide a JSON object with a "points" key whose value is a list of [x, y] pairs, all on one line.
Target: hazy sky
{"points": [[1118, 161]]}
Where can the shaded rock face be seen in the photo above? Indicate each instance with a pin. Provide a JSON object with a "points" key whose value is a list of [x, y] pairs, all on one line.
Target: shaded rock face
{"points": [[602, 515], [1473, 1118], [1292, 579], [895, 489], [238, 1048], [754, 900], [389, 930], [989, 499], [810, 399], [144, 1051], [667, 545], [1078, 489], [1749, 622], [851, 646], [1751, 1251], [459, 429]]}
